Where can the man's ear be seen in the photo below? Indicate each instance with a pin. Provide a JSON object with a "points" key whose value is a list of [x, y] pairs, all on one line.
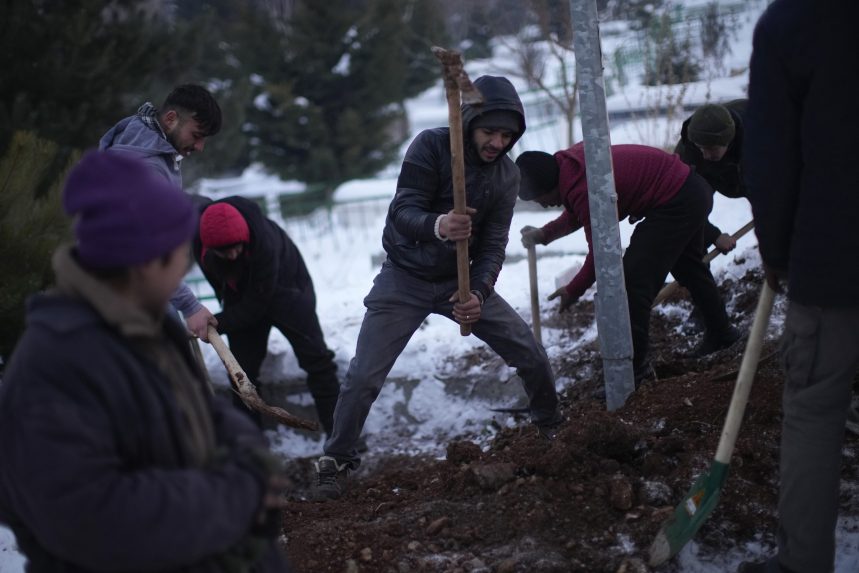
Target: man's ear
{"points": [[170, 119]]}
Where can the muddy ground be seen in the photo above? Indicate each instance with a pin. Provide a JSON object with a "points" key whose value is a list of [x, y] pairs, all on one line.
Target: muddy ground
{"points": [[591, 500]]}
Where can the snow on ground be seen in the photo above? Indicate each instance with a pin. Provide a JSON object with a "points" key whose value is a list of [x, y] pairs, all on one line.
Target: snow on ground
{"points": [[340, 263]]}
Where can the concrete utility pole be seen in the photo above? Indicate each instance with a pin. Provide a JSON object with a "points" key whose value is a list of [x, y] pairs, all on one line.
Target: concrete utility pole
{"points": [[612, 309]]}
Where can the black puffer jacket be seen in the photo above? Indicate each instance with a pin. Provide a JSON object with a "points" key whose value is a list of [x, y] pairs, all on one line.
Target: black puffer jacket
{"points": [[425, 191], [272, 266]]}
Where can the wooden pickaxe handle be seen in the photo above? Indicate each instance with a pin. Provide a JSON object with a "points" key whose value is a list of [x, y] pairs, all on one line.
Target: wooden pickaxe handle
{"points": [[535, 295], [671, 288], [458, 88], [246, 390]]}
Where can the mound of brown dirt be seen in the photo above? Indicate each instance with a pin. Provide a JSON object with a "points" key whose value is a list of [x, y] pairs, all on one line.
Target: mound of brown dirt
{"points": [[591, 500]]}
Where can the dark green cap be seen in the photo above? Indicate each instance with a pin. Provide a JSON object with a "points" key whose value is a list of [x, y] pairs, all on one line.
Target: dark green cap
{"points": [[711, 125]]}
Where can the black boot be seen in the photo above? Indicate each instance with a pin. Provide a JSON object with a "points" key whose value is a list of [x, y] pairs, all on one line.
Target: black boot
{"points": [[713, 343]]}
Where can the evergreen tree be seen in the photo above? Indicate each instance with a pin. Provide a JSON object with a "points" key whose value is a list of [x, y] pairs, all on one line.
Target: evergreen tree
{"points": [[69, 69], [333, 111], [424, 27], [479, 35], [30, 229]]}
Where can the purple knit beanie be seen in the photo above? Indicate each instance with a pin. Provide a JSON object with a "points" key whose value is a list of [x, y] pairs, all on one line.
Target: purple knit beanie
{"points": [[126, 214]]}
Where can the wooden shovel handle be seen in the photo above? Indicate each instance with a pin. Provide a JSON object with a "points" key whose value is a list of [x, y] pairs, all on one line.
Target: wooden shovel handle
{"points": [[748, 368], [246, 390]]}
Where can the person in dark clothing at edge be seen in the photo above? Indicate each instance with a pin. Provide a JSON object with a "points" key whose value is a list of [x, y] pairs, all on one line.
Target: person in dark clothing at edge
{"points": [[711, 140], [262, 282], [419, 275], [804, 188], [161, 138], [674, 203], [116, 457]]}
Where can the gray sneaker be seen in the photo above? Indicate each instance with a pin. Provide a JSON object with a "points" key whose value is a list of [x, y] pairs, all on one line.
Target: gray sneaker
{"points": [[330, 478], [853, 417]]}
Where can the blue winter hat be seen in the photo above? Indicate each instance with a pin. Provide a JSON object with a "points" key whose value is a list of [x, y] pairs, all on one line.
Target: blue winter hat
{"points": [[126, 214]]}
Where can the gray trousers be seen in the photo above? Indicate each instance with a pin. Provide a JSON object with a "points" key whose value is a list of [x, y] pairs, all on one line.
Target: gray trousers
{"points": [[396, 306], [820, 354]]}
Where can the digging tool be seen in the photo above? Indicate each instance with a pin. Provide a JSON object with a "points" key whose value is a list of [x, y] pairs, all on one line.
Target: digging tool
{"points": [[458, 89], [535, 295], [246, 390], [703, 496], [670, 289]]}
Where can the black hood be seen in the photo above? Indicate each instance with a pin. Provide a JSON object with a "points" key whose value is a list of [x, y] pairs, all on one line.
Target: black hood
{"points": [[498, 95]]}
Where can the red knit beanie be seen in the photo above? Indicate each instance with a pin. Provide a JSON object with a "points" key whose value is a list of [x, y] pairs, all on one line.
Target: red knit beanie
{"points": [[221, 224]]}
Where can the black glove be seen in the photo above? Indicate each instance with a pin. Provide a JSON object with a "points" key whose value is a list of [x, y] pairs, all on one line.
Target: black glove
{"points": [[532, 236], [566, 300]]}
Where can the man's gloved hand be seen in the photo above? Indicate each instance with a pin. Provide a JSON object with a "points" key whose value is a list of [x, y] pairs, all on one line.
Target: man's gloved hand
{"points": [[566, 300], [725, 243], [532, 236]]}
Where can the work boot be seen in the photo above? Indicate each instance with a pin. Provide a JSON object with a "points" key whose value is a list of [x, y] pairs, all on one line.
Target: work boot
{"points": [[330, 478], [710, 344], [643, 373], [549, 431]]}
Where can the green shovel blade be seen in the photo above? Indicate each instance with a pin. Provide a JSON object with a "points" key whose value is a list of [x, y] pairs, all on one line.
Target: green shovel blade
{"points": [[689, 515]]}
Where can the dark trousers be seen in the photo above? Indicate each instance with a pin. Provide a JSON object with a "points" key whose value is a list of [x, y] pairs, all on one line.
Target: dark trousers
{"points": [[295, 316], [671, 239], [396, 306], [820, 355]]}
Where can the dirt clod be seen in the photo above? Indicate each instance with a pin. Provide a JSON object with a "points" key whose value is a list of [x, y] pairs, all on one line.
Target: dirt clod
{"points": [[620, 493]]}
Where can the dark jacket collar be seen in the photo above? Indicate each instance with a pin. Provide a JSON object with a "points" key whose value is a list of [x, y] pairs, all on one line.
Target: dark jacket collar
{"points": [[127, 318]]}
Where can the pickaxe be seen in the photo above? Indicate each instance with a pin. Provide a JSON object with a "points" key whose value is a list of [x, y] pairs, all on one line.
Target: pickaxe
{"points": [[458, 89]]}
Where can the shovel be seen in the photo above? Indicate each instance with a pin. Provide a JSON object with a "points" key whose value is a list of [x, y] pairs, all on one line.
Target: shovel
{"points": [[246, 390], [703, 497], [535, 295]]}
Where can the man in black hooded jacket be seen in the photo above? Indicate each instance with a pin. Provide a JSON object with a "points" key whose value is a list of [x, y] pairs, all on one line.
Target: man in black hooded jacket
{"points": [[419, 276], [260, 278]]}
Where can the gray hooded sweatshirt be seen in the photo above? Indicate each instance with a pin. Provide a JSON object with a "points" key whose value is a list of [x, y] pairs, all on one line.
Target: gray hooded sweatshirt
{"points": [[133, 137]]}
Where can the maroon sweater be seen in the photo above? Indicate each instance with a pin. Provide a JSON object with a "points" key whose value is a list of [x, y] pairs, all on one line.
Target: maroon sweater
{"points": [[644, 178]]}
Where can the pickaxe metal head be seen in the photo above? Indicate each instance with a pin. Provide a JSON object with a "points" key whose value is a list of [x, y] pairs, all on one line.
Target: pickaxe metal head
{"points": [[455, 77]]}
